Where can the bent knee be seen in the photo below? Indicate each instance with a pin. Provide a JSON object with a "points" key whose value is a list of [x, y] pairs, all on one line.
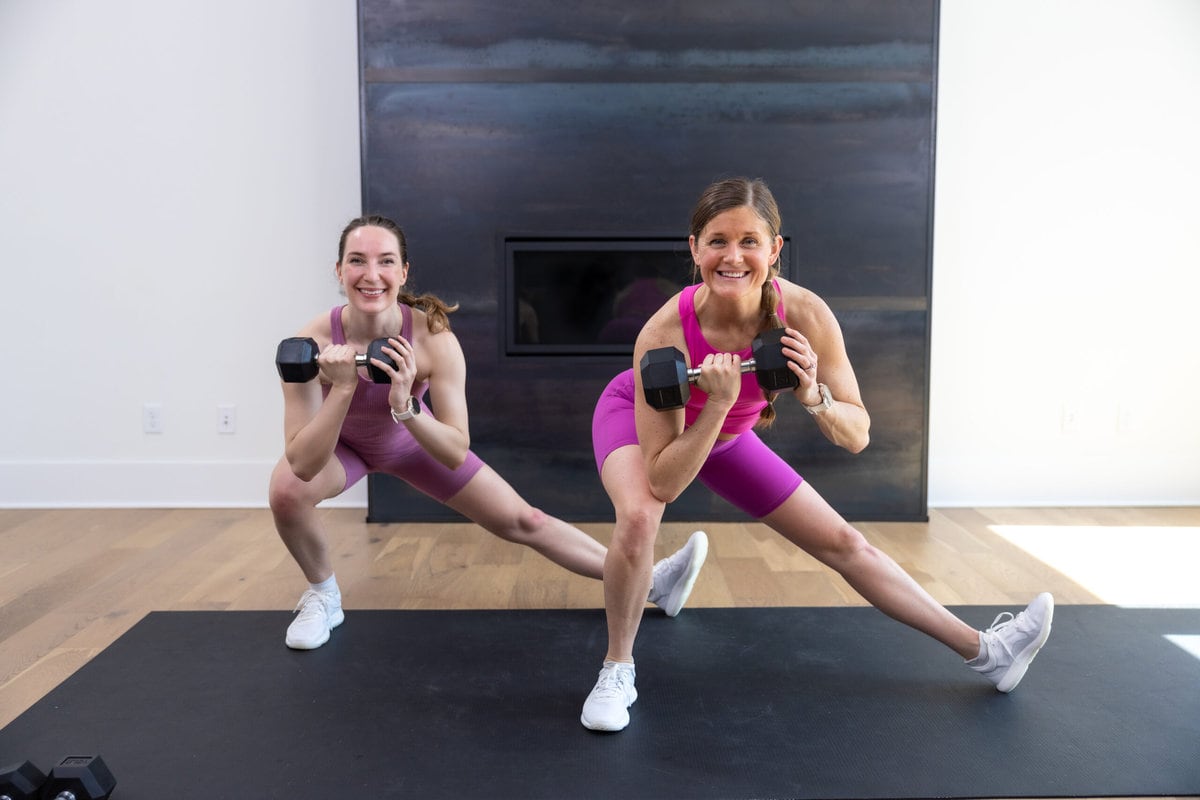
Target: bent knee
{"points": [[636, 529], [287, 494], [284, 496]]}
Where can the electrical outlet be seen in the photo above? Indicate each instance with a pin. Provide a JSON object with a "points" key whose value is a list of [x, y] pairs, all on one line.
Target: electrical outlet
{"points": [[1069, 419], [227, 418], [152, 418], [1128, 419]]}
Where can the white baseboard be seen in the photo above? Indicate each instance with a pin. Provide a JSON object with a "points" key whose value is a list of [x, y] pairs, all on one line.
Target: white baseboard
{"points": [[146, 484]]}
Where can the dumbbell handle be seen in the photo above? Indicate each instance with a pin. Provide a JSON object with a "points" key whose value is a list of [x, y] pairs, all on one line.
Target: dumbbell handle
{"points": [[360, 359], [693, 373]]}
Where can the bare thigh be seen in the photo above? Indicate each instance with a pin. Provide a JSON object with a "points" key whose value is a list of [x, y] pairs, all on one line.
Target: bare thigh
{"points": [[806, 520], [489, 501]]}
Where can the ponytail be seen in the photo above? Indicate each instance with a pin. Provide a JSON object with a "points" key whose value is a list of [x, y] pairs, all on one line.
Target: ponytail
{"points": [[437, 311], [770, 321]]}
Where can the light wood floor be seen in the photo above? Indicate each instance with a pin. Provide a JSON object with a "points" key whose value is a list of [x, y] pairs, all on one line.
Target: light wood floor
{"points": [[72, 581]]}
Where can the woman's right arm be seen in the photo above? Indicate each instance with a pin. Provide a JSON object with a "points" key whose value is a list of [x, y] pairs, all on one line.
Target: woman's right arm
{"points": [[311, 423], [674, 453]]}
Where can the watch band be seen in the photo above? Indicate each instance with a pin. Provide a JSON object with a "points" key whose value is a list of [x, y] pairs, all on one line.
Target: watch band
{"points": [[825, 404], [414, 408]]}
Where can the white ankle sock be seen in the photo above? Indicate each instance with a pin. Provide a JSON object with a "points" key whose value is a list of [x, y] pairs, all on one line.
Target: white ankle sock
{"points": [[982, 658], [327, 586]]}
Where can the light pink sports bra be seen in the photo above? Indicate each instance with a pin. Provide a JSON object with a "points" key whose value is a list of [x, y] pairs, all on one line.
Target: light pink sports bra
{"points": [[367, 421]]}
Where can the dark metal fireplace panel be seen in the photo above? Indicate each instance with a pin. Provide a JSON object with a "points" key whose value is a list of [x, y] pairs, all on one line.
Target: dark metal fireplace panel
{"points": [[489, 126]]}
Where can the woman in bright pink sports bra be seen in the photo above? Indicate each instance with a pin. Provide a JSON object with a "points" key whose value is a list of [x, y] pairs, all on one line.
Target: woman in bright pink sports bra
{"points": [[646, 457], [342, 426]]}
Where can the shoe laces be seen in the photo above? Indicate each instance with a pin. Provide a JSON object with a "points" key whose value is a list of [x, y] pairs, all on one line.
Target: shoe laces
{"points": [[313, 603], [1008, 631], [659, 576], [613, 683], [672, 564], [1000, 623]]}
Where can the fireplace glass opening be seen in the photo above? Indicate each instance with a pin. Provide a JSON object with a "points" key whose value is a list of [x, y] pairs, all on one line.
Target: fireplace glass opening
{"points": [[589, 296]]}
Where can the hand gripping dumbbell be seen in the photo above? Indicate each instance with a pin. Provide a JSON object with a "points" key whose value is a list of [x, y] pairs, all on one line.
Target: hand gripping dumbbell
{"points": [[73, 778], [666, 379], [296, 360]]}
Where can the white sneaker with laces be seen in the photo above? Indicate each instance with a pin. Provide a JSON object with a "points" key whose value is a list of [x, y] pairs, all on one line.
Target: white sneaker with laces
{"points": [[319, 613], [607, 707], [1009, 645], [676, 574]]}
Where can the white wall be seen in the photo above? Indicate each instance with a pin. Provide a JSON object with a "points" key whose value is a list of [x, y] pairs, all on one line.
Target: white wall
{"points": [[1067, 254], [173, 178]]}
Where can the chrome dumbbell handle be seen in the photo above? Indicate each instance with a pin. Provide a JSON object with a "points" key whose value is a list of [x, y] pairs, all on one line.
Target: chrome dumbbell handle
{"points": [[694, 372]]}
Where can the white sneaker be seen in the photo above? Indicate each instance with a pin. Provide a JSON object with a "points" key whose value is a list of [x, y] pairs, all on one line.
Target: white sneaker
{"points": [[1009, 645], [607, 707], [676, 574], [319, 613]]}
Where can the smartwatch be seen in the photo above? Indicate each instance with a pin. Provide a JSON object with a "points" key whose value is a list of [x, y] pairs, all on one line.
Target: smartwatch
{"points": [[412, 409], [825, 404]]}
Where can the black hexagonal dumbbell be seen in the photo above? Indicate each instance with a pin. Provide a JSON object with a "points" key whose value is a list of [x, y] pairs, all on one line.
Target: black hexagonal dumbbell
{"points": [[73, 778], [79, 778], [21, 782], [666, 379], [296, 360]]}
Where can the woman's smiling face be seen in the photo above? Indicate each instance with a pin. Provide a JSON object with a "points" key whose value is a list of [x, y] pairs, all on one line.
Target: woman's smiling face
{"points": [[371, 270], [735, 251]]}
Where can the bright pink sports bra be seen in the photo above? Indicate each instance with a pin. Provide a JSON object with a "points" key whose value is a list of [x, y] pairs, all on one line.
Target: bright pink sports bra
{"points": [[750, 403]]}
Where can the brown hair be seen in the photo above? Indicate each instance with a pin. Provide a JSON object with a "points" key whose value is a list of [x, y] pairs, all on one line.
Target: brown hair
{"points": [[733, 193], [437, 310]]}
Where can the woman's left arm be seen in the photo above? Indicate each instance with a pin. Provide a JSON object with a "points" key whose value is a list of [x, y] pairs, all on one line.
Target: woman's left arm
{"points": [[817, 351], [447, 438]]}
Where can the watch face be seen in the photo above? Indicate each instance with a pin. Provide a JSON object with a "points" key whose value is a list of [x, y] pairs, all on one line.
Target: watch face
{"points": [[826, 400]]}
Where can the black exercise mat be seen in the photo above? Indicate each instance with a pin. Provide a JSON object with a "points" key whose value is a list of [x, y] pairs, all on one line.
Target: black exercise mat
{"points": [[735, 703]]}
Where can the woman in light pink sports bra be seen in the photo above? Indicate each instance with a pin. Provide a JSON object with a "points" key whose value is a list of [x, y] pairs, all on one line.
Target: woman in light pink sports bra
{"points": [[646, 457], [342, 426]]}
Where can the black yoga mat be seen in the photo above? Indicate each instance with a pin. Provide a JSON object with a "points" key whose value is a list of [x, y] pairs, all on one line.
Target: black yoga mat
{"points": [[735, 703]]}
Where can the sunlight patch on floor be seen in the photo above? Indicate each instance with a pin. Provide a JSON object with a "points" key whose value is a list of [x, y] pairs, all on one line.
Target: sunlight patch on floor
{"points": [[1189, 642], [1133, 566]]}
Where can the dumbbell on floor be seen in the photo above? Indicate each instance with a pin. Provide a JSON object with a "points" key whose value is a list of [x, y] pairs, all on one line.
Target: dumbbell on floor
{"points": [[666, 379], [73, 778], [296, 360], [21, 782]]}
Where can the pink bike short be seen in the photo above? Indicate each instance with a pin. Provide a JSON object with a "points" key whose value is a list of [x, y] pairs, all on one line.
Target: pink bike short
{"points": [[771, 479], [414, 466]]}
